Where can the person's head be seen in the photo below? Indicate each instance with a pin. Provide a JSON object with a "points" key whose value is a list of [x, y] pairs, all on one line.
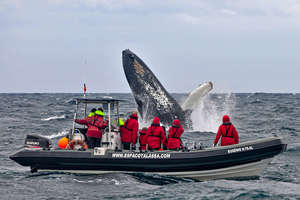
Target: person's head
{"points": [[92, 113], [101, 109], [134, 114], [99, 113], [226, 119], [176, 122], [156, 121]]}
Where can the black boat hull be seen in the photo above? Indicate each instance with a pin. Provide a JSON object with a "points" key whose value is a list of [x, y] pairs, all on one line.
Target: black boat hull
{"points": [[245, 159]]}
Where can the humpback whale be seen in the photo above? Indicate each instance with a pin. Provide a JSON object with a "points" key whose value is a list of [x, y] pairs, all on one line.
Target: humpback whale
{"points": [[152, 98]]}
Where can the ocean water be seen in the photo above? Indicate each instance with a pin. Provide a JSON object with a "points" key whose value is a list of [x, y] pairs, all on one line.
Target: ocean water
{"points": [[255, 116]]}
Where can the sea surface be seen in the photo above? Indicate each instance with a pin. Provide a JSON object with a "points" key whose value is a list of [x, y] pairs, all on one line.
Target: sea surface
{"points": [[256, 115]]}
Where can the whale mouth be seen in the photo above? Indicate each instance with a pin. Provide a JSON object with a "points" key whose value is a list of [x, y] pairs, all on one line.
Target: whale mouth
{"points": [[128, 54]]}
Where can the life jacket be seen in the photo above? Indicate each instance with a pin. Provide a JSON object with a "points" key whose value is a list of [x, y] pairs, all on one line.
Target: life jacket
{"points": [[175, 127], [126, 125], [129, 130], [142, 140], [95, 124], [229, 130], [155, 136], [174, 140], [152, 130]]}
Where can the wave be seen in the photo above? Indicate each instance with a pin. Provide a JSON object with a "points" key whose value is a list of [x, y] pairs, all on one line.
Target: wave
{"points": [[283, 109], [294, 147], [154, 179], [59, 134], [71, 101], [288, 128], [256, 101], [258, 187], [54, 118]]}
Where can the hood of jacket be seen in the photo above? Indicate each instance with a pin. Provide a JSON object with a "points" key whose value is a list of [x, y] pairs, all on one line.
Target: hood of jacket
{"points": [[226, 119], [156, 120], [176, 122], [133, 115]]}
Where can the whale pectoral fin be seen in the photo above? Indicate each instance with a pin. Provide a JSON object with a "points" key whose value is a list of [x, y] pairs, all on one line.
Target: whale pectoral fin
{"points": [[140, 107], [143, 104], [195, 96]]}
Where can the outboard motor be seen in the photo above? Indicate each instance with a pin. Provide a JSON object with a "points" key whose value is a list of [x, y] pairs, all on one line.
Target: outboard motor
{"points": [[37, 141]]}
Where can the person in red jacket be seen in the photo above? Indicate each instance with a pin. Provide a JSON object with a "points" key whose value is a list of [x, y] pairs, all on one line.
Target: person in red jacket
{"points": [[129, 131], [228, 133], [95, 125], [142, 140], [175, 132], [156, 136]]}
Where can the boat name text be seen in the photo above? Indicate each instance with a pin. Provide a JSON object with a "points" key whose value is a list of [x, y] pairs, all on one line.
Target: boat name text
{"points": [[32, 143], [142, 155], [241, 149]]}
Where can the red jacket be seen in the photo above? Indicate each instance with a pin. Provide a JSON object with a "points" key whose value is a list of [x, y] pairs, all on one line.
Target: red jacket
{"points": [[94, 124], [228, 132], [155, 135], [130, 130], [142, 139], [175, 132]]}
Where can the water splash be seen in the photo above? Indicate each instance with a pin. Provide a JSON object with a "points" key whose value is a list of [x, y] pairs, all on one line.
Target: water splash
{"points": [[59, 134], [145, 120], [207, 116]]}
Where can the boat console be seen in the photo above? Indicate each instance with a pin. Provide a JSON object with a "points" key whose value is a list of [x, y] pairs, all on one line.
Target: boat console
{"points": [[111, 138]]}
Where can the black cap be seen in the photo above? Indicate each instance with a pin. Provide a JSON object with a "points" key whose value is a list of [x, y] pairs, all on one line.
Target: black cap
{"points": [[101, 109], [93, 110]]}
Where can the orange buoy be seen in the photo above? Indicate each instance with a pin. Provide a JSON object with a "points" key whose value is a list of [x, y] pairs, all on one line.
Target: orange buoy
{"points": [[63, 142]]}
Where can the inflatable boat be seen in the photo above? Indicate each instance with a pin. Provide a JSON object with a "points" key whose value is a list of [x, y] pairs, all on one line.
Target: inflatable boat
{"points": [[247, 159]]}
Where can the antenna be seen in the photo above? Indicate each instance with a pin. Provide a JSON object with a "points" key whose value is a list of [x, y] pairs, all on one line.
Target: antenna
{"points": [[84, 90]]}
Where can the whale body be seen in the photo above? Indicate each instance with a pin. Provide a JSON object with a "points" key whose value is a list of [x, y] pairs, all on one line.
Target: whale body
{"points": [[152, 99]]}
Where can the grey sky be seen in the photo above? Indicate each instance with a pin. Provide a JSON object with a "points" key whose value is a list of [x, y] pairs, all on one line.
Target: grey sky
{"points": [[241, 46]]}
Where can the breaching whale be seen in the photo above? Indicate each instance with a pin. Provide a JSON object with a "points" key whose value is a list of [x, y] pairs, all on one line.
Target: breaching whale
{"points": [[152, 98]]}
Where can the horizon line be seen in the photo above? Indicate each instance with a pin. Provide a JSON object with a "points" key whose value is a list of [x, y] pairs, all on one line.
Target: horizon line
{"points": [[131, 93]]}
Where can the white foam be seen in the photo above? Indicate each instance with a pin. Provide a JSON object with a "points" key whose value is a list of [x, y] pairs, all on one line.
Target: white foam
{"points": [[54, 117], [144, 123]]}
